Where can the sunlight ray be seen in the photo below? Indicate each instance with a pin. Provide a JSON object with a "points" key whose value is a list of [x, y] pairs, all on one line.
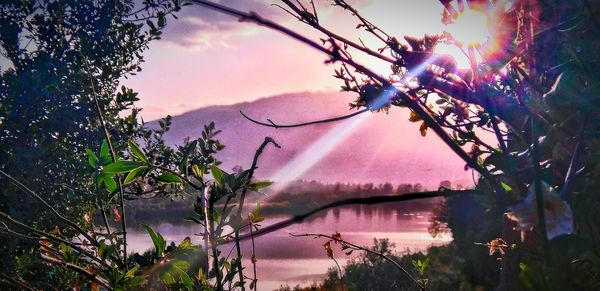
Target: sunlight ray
{"points": [[316, 152], [320, 148]]}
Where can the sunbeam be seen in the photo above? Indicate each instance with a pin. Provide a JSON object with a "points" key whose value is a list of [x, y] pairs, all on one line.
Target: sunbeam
{"points": [[316, 152], [327, 143]]}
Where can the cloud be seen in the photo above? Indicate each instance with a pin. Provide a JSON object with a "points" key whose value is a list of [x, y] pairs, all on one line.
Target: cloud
{"points": [[201, 27]]}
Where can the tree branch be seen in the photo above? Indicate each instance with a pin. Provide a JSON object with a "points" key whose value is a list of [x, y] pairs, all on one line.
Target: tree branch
{"points": [[114, 159], [52, 238], [358, 201], [335, 56], [275, 125], [78, 269], [49, 207], [241, 205]]}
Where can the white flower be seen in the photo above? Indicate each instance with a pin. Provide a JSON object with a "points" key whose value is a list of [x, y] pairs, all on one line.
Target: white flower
{"points": [[559, 217]]}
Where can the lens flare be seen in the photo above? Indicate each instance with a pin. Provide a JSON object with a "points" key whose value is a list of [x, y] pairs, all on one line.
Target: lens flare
{"points": [[471, 28]]}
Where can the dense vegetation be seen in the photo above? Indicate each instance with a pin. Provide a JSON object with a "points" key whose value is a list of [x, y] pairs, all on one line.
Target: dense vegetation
{"points": [[73, 152], [62, 62]]}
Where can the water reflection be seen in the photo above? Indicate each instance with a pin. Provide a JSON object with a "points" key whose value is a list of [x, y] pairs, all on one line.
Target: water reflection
{"points": [[302, 260]]}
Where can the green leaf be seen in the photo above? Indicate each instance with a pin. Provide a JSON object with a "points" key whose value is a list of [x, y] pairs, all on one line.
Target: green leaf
{"points": [[108, 181], [105, 156], [137, 152], [186, 244], [181, 265], [105, 251], [197, 172], [120, 167], [185, 279], [157, 239], [218, 174], [167, 278], [131, 273], [260, 185], [92, 159], [255, 216], [183, 166], [137, 172], [168, 177], [506, 187]]}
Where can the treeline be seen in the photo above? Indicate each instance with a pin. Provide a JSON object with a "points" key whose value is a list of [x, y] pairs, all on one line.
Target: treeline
{"points": [[298, 196], [301, 196]]}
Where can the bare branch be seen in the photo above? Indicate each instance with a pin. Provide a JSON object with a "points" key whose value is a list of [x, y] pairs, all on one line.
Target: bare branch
{"points": [[49, 207], [333, 119], [241, 205], [16, 281], [358, 201], [78, 269], [53, 238]]}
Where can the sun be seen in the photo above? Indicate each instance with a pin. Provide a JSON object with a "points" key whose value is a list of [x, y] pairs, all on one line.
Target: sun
{"points": [[470, 29]]}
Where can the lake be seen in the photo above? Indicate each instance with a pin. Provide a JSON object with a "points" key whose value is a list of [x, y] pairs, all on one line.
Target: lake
{"points": [[283, 259]]}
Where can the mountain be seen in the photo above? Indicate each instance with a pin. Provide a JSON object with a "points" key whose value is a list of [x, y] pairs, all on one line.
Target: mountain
{"points": [[378, 148]]}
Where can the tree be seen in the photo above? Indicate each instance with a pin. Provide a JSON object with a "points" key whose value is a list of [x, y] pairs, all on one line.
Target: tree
{"points": [[62, 64], [534, 86], [537, 95]]}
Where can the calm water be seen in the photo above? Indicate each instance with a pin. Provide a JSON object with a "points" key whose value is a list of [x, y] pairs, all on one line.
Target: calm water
{"points": [[283, 259]]}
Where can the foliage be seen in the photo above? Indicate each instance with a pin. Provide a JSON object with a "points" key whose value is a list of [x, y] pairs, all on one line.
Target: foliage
{"points": [[533, 86], [372, 272], [57, 57]]}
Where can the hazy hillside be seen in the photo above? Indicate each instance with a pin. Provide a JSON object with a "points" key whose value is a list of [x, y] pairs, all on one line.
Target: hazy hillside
{"points": [[382, 148]]}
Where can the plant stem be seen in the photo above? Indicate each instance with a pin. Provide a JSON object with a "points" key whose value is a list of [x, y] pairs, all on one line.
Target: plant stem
{"points": [[241, 206], [255, 280], [357, 247], [537, 184], [114, 159], [213, 242]]}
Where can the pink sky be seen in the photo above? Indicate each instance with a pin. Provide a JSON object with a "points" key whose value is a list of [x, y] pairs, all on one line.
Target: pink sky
{"points": [[206, 58]]}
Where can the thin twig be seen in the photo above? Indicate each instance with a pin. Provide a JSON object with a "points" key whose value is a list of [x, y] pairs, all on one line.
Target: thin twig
{"points": [[537, 184], [211, 229], [340, 38], [16, 282], [564, 192], [78, 269], [242, 198], [340, 275], [114, 159], [49, 207], [253, 259], [53, 238], [357, 247], [275, 125]]}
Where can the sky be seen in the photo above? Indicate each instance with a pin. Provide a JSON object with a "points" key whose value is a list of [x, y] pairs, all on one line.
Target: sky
{"points": [[207, 58]]}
